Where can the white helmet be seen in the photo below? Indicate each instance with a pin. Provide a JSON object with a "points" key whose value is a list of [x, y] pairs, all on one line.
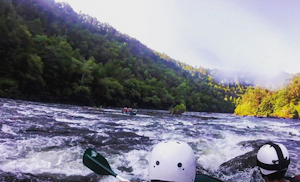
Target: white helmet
{"points": [[172, 161], [273, 158]]}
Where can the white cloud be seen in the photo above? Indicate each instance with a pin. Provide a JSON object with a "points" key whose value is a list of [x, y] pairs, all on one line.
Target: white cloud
{"points": [[212, 34]]}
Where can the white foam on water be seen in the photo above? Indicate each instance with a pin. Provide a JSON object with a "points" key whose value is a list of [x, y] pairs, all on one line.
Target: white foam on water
{"points": [[127, 130], [119, 113], [79, 122], [165, 129], [126, 122], [6, 105], [89, 116], [66, 161], [26, 112], [14, 120], [274, 123], [281, 128], [31, 109], [142, 123], [128, 125], [110, 110], [65, 120], [42, 109], [35, 110], [184, 122], [13, 148], [170, 136], [7, 129], [143, 115], [5, 146], [147, 133], [214, 153], [135, 159], [59, 110], [138, 160], [287, 130], [109, 178], [240, 176], [242, 124]]}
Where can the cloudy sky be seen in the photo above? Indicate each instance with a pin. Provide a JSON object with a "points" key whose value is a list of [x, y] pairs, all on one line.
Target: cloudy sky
{"points": [[258, 35]]}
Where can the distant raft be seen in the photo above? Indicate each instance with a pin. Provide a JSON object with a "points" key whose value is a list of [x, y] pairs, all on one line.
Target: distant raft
{"points": [[129, 111]]}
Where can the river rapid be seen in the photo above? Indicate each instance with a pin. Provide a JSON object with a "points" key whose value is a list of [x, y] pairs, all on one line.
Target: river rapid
{"points": [[45, 142]]}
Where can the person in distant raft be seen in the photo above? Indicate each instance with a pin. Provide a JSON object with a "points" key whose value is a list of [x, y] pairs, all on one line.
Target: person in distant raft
{"points": [[172, 161], [273, 160]]}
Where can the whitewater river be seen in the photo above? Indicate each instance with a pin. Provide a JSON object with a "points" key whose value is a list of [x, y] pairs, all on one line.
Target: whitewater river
{"points": [[46, 142]]}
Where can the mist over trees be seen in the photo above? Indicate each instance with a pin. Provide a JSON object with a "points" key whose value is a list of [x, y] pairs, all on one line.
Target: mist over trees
{"points": [[50, 53], [247, 78]]}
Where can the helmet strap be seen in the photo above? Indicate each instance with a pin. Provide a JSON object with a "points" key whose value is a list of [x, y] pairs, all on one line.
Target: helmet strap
{"points": [[278, 165], [281, 159]]}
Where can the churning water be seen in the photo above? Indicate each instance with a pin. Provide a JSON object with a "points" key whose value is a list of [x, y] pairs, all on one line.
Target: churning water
{"points": [[45, 142]]}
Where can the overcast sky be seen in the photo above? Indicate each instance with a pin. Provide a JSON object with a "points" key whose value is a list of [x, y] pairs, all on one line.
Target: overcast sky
{"points": [[253, 35]]}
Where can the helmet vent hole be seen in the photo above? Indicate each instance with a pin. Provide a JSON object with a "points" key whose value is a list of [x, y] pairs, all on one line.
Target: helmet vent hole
{"points": [[179, 165], [183, 169], [157, 162], [178, 142]]}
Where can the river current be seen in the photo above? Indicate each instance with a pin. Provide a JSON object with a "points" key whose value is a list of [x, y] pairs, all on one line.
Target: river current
{"points": [[45, 142]]}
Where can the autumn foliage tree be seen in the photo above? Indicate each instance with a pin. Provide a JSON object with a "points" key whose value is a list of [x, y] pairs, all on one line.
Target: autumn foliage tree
{"points": [[283, 103]]}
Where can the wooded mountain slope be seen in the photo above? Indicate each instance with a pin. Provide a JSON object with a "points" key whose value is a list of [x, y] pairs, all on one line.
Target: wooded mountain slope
{"points": [[50, 53]]}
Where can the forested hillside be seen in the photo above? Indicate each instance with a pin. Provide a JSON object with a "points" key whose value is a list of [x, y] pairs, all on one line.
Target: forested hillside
{"points": [[50, 53], [265, 103]]}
